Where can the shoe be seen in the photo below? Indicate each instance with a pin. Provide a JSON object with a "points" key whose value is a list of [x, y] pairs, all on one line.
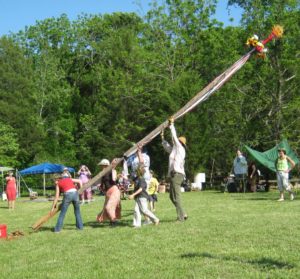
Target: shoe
{"points": [[280, 200], [113, 224], [185, 217], [147, 222], [292, 197], [156, 223]]}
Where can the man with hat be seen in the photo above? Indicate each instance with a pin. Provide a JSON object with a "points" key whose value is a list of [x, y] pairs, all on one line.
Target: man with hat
{"points": [[284, 164], [176, 168]]}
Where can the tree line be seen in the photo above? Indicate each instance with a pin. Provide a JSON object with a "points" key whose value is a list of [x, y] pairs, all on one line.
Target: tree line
{"points": [[73, 92]]}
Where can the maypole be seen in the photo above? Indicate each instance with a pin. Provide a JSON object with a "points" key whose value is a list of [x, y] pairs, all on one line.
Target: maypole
{"points": [[201, 96]]}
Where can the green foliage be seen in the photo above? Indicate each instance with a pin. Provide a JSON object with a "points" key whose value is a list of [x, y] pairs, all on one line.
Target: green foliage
{"points": [[78, 91], [226, 236], [17, 104], [9, 147]]}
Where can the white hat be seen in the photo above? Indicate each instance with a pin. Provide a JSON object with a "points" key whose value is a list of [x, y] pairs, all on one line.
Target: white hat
{"points": [[104, 162]]}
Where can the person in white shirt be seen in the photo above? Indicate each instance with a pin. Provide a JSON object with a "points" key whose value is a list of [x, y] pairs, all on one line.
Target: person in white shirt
{"points": [[141, 158], [240, 169], [176, 171]]}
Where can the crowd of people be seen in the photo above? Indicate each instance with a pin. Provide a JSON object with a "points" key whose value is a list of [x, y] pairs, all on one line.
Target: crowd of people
{"points": [[145, 184], [112, 185]]}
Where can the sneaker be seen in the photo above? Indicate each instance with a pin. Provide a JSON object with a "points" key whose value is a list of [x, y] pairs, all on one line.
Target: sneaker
{"points": [[156, 223], [292, 197], [280, 200], [113, 224], [147, 222]]}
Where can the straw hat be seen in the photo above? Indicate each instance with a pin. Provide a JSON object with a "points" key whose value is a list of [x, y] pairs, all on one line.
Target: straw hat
{"points": [[104, 162], [182, 139]]}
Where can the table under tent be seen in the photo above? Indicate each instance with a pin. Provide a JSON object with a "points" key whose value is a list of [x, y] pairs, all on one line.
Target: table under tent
{"points": [[43, 169]]}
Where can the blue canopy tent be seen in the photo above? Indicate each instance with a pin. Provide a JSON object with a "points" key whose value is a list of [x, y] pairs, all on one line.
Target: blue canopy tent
{"points": [[45, 168]]}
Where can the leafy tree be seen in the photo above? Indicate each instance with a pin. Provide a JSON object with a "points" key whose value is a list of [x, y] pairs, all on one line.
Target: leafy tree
{"points": [[275, 81], [16, 100], [75, 92], [9, 146], [49, 44]]}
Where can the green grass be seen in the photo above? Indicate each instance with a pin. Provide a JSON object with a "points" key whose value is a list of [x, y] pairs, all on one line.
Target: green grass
{"points": [[226, 236]]}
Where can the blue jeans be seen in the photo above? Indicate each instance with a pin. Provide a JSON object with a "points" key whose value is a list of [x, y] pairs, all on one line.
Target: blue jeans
{"points": [[240, 182], [69, 197]]}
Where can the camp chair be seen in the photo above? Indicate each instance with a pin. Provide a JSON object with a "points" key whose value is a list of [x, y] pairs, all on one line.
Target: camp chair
{"points": [[32, 195]]}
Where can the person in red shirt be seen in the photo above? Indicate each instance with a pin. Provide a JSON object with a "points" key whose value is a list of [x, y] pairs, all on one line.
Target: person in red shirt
{"points": [[11, 190], [66, 186]]}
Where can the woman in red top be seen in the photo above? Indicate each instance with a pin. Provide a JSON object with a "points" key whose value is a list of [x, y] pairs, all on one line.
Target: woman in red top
{"points": [[66, 186], [11, 190]]}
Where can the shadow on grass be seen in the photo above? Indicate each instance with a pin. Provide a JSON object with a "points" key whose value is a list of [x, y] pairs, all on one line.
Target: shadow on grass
{"points": [[42, 229], [255, 198], [95, 224], [129, 213], [265, 263]]}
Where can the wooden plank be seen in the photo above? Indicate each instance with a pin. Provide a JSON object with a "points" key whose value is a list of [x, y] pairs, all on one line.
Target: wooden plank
{"points": [[200, 97], [45, 218]]}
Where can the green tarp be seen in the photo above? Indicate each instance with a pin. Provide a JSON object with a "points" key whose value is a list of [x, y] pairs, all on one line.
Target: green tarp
{"points": [[269, 157]]}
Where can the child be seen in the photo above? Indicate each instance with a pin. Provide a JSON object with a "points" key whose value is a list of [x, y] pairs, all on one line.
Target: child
{"points": [[141, 200], [152, 190], [284, 164]]}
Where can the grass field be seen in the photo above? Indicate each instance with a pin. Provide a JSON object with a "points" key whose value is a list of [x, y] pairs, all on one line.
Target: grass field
{"points": [[226, 236]]}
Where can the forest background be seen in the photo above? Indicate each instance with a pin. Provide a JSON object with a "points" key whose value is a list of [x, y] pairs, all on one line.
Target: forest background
{"points": [[74, 92]]}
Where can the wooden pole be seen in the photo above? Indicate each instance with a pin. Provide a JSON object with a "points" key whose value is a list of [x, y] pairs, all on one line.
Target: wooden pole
{"points": [[200, 97], [44, 182]]}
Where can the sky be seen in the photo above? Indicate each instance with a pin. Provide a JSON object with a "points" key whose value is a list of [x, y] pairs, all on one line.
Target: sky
{"points": [[16, 14]]}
